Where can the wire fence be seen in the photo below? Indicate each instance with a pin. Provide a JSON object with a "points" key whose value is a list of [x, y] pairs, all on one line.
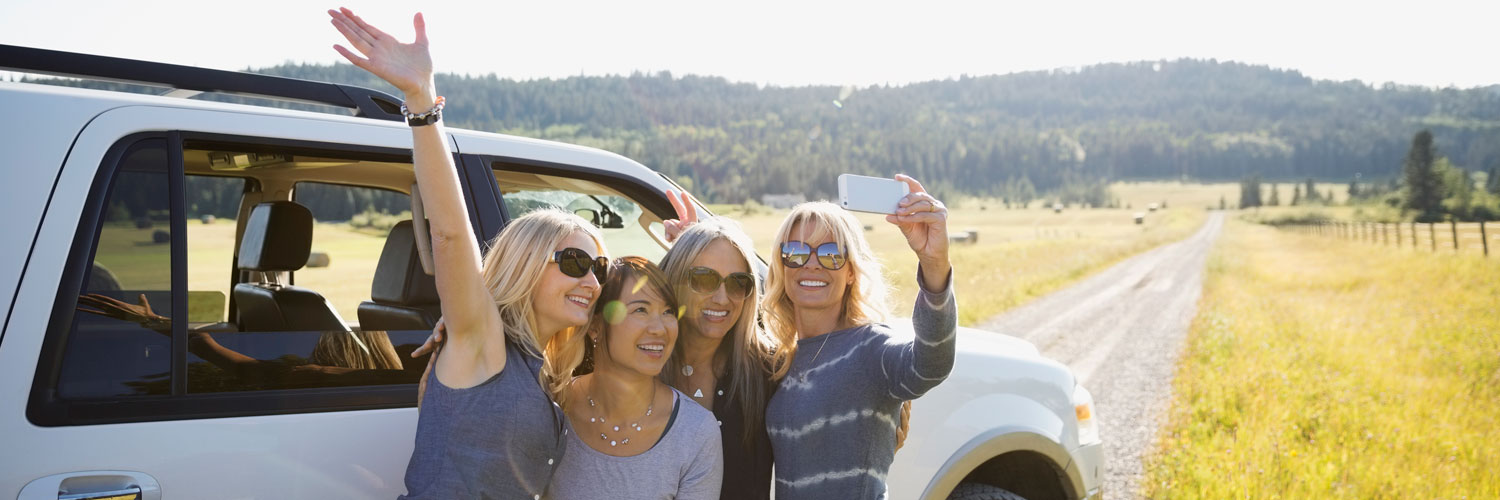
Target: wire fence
{"points": [[1472, 237]]}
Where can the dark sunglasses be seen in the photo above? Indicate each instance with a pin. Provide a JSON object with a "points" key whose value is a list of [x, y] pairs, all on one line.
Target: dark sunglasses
{"points": [[795, 254], [707, 281], [576, 263]]}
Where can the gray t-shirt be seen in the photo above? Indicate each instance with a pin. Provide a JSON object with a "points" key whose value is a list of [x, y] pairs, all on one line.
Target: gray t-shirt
{"points": [[687, 463], [499, 439]]}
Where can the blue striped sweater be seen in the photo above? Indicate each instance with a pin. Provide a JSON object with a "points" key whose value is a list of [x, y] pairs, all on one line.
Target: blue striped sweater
{"points": [[832, 422]]}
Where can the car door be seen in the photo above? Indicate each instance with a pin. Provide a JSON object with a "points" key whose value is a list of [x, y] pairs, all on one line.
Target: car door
{"points": [[102, 398]]}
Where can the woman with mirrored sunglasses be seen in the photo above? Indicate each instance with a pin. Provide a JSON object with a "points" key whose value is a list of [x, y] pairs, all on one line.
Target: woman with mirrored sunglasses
{"points": [[836, 417], [488, 427], [722, 356]]}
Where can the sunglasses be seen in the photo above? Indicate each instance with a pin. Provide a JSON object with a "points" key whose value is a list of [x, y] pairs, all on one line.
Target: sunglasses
{"points": [[576, 263], [796, 253], [707, 281]]}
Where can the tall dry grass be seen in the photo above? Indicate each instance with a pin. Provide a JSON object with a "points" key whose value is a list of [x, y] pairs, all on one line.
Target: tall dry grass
{"points": [[1318, 368]]}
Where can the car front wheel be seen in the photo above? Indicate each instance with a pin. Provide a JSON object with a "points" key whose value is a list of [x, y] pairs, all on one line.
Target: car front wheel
{"points": [[981, 491]]}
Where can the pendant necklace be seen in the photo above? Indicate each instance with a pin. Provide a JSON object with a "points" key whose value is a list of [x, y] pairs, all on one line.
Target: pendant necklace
{"points": [[636, 426], [687, 371], [804, 373]]}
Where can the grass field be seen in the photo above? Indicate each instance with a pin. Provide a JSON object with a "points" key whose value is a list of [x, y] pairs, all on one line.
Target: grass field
{"points": [[353, 255], [1020, 254], [1318, 368]]}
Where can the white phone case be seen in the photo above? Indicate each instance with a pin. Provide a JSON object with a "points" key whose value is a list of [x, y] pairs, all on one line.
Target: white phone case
{"points": [[871, 194]]}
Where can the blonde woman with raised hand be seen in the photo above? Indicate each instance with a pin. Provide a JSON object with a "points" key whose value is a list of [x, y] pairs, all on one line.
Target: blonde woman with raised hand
{"points": [[836, 414], [722, 358], [487, 427]]}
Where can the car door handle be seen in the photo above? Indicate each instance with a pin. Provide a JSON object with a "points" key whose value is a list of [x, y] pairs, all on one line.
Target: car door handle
{"points": [[93, 485], [131, 493]]}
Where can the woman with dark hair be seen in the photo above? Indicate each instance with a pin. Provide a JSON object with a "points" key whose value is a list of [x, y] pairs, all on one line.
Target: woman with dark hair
{"points": [[637, 438]]}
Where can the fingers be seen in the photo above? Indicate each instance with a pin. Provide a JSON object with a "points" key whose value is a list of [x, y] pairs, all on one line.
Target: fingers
{"points": [[918, 218], [420, 25], [916, 187], [356, 60], [691, 208], [374, 33], [357, 37], [677, 204]]}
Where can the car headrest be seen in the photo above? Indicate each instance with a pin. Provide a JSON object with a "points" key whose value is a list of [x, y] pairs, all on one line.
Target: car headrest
{"points": [[278, 237], [399, 279]]}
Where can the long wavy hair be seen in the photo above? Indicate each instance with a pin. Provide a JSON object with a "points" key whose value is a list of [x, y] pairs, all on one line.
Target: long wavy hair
{"points": [[572, 353], [746, 349], [865, 301], [513, 267]]}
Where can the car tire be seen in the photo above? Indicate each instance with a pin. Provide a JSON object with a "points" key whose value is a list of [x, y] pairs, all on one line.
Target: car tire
{"points": [[981, 491]]}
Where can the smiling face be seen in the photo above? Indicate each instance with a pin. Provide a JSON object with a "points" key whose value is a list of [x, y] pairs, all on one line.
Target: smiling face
{"points": [[713, 314], [812, 287], [638, 331], [562, 301]]}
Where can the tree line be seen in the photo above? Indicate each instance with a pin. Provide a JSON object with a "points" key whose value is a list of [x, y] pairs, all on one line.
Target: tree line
{"points": [[1430, 188], [1018, 136]]}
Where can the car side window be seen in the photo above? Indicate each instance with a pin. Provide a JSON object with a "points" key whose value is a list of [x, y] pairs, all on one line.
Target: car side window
{"points": [[628, 228], [294, 280], [117, 346]]}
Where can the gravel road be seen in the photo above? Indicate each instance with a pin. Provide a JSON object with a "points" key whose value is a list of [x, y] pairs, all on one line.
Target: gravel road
{"points": [[1121, 332]]}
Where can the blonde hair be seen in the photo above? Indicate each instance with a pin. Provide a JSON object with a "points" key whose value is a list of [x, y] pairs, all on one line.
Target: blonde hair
{"points": [[514, 266], [865, 301], [747, 348], [363, 350]]}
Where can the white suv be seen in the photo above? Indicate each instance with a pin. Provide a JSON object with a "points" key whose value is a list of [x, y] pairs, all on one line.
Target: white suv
{"points": [[285, 291]]}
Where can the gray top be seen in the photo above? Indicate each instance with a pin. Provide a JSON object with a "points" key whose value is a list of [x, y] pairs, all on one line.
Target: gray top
{"points": [[499, 439], [687, 463], [833, 419]]}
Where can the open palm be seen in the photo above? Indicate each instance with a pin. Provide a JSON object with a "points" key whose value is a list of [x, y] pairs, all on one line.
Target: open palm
{"points": [[408, 66]]}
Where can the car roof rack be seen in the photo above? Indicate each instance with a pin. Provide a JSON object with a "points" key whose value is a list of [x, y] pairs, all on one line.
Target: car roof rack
{"points": [[187, 81]]}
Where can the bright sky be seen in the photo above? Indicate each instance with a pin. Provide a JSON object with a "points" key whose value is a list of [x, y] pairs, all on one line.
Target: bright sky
{"points": [[853, 42]]}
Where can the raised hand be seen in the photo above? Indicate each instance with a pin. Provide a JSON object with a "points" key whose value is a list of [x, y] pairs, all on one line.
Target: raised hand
{"points": [[109, 306], [924, 222], [687, 214], [408, 66]]}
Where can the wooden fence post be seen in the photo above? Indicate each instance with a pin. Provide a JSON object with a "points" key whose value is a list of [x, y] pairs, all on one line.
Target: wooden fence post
{"points": [[1484, 238], [1414, 235], [1385, 239], [1432, 234], [1398, 235], [1453, 223]]}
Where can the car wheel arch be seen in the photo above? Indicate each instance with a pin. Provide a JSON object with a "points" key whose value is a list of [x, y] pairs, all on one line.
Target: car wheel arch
{"points": [[1021, 460]]}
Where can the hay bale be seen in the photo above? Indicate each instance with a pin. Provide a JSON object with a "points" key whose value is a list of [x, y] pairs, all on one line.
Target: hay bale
{"points": [[161, 236], [207, 218], [317, 259]]}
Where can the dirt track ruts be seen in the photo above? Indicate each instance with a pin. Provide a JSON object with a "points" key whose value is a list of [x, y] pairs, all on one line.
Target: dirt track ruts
{"points": [[1121, 332]]}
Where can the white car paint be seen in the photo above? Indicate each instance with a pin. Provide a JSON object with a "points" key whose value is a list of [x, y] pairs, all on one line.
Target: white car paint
{"points": [[999, 387]]}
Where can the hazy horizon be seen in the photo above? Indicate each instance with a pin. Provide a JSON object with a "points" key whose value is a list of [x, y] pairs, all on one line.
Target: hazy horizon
{"points": [[788, 44]]}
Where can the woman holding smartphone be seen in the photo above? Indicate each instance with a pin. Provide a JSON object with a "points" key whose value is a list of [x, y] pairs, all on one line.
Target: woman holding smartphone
{"points": [[722, 358], [833, 421], [636, 438], [488, 427]]}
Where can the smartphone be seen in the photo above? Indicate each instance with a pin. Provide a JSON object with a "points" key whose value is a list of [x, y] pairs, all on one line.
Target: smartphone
{"points": [[871, 194]]}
